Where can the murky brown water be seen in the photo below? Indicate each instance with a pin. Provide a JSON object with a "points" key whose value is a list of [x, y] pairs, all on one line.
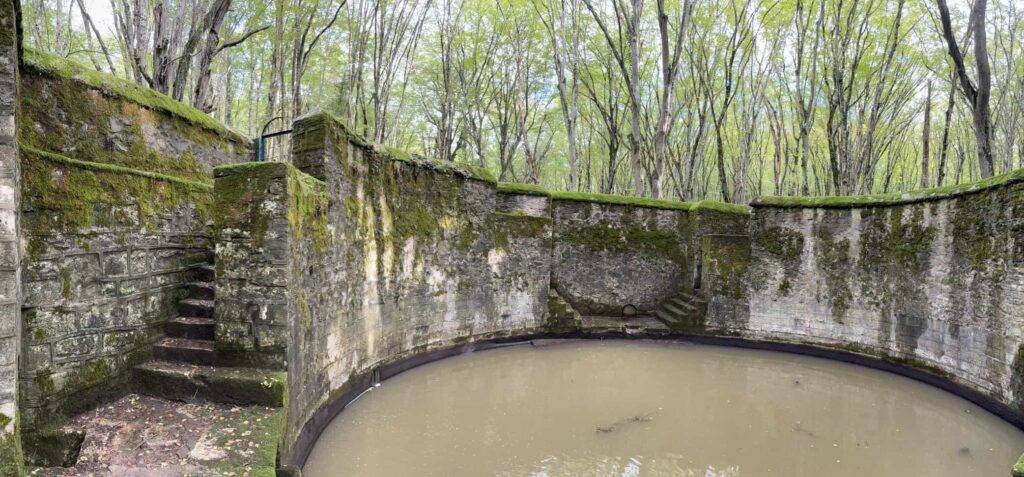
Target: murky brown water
{"points": [[640, 408]]}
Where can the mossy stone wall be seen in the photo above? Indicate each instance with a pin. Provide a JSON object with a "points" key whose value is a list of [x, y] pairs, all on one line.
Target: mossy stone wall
{"points": [[116, 205], [934, 284], [11, 461], [608, 256]]}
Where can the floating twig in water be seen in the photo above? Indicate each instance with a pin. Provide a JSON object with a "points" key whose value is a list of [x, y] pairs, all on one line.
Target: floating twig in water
{"points": [[798, 428], [617, 424]]}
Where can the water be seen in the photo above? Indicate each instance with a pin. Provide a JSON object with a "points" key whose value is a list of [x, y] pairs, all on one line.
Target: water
{"points": [[642, 408]]}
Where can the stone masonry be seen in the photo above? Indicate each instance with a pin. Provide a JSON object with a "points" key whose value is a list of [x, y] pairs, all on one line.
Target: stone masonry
{"points": [[10, 293]]}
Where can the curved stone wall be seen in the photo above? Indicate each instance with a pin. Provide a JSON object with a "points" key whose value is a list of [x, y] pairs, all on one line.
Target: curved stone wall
{"points": [[933, 282], [358, 262]]}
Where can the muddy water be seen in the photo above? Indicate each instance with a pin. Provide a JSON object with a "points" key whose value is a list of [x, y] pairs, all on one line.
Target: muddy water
{"points": [[639, 408]]}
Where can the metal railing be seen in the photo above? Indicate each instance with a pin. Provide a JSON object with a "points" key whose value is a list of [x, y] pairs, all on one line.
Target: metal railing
{"points": [[273, 146]]}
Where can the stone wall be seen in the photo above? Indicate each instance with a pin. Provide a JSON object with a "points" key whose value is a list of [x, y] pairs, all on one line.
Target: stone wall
{"points": [[116, 195], [608, 257], [934, 284], [400, 258], [10, 329]]}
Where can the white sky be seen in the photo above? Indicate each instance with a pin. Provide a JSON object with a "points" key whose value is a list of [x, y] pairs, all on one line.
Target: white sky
{"points": [[103, 17]]}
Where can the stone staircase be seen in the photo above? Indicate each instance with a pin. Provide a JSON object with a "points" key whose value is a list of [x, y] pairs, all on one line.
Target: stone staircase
{"points": [[189, 336], [184, 360], [682, 312]]}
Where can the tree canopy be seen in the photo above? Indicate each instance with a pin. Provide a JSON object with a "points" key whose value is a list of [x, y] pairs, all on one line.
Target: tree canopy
{"points": [[678, 99]]}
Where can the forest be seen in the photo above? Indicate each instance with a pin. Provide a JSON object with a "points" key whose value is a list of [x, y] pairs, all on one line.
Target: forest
{"points": [[680, 99]]}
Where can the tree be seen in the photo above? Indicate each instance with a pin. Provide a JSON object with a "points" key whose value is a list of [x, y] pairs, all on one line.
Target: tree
{"points": [[977, 96]]}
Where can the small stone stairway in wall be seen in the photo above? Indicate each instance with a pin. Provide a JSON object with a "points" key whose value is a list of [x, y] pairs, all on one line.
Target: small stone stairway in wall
{"points": [[184, 363], [684, 311]]}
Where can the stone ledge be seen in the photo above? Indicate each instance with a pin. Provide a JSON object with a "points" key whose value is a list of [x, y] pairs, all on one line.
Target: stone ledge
{"points": [[186, 382]]}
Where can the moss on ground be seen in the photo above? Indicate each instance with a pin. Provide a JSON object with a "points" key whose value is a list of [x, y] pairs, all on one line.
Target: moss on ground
{"points": [[1018, 468], [124, 89]]}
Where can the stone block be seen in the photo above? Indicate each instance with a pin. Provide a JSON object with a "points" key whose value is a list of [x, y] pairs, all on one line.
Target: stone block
{"points": [[75, 347]]}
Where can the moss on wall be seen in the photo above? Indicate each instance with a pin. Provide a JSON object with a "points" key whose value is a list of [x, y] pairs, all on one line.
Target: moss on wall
{"points": [[66, 195], [932, 194], [515, 225], [239, 194], [628, 237], [110, 85], [784, 246]]}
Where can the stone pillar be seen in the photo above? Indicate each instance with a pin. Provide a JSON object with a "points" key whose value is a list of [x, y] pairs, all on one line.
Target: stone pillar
{"points": [[10, 282]]}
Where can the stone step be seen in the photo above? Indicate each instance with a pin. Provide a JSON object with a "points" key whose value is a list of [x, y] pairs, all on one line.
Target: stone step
{"points": [[201, 290], [196, 308], [666, 317], [684, 304], [204, 273], [190, 327], [185, 350], [189, 382], [679, 309]]}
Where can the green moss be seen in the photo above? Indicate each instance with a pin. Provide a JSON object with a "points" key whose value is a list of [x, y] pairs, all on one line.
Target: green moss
{"points": [[899, 245], [12, 461], [307, 211], [1018, 468], [261, 459], [724, 262], [628, 237], [239, 194], [124, 89], [115, 169], [621, 200], [44, 379], [934, 193], [68, 195], [721, 207], [511, 226], [785, 246], [833, 258], [523, 189]]}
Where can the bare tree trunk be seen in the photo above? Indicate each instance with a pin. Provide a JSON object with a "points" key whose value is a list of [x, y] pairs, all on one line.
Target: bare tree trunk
{"points": [[979, 96], [926, 137]]}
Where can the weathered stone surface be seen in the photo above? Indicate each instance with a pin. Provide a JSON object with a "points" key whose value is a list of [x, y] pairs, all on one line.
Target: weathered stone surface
{"points": [[10, 201], [936, 285], [110, 246], [392, 256], [608, 257], [142, 435]]}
